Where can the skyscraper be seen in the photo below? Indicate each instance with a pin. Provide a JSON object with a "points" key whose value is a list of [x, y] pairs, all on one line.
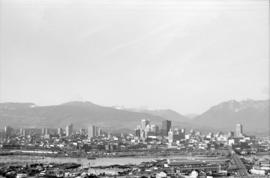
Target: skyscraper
{"points": [[59, 131], [166, 126], [8, 131], [154, 129], [170, 136], [147, 130], [22, 132], [69, 130], [99, 131], [138, 132], [44, 131], [92, 131], [239, 130], [143, 137], [144, 123]]}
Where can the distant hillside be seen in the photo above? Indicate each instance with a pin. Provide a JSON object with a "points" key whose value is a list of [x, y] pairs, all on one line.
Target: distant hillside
{"points": [[164, 113], [81, 114], [254, 115], [191, 116]]}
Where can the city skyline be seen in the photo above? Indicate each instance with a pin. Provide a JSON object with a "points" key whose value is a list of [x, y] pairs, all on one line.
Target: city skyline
{"points": [[161, 54], [214, 152], [134, 88], [146, 129]]}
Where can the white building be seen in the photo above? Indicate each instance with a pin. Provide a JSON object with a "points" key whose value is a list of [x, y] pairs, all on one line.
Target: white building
{"points": [[69, 130]]}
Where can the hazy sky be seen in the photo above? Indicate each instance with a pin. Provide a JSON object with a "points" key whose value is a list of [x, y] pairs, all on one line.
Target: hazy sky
{"points": [[186, 55]]}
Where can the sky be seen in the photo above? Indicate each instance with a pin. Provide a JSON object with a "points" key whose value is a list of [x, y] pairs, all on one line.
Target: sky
{"points": [[186, 55]]}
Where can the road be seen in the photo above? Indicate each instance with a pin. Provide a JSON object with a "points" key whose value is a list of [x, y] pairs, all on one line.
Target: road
{"points": [[242, 171]]}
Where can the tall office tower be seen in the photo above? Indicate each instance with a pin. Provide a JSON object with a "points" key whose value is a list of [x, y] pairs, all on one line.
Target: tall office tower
{"points": [[154, 129], [59, 131], [22, 132], [138, 132], [8, 131], [44, 131], [166, 126], [69, 130], [144, 123], [147, 130], [99, 132], [142, 136], [170, 136], [239, 130], [92, 132]]}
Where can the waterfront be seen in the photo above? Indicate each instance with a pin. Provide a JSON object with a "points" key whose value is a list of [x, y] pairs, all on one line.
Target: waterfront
{"points": [[127, 165], [24, 159], [132, 166], [83, 161]]}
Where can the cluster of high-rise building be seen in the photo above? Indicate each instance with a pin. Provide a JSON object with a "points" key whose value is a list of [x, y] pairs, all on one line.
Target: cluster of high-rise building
{"points": [[149, 139], [91, 132], [146, 129], [165, 127], [69, 130], [176, 134], [143, 131], [8, 131], [239, 130], [94, 131]]}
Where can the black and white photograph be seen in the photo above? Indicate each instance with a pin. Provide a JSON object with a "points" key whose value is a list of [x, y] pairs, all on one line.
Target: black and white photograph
{"points": [[134, 89]]}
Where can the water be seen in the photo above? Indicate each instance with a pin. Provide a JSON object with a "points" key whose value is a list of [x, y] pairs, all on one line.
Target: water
{"points": [[22, 159], [83, 161]]}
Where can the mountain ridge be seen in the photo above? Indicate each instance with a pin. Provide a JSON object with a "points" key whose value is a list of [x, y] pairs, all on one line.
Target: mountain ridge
{"points": [[222, 116], [253, 114], [80, 114]]}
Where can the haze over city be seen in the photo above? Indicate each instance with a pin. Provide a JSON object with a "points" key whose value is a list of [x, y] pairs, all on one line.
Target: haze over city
{"points": [[183, 55]]}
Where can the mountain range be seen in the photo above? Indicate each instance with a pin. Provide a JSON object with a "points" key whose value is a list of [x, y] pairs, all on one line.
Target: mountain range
{"points": [[253, 114], [164, 113]]}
